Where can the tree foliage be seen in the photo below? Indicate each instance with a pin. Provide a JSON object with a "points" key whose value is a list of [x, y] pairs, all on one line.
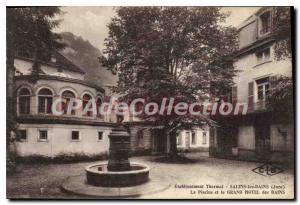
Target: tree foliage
{"points": [[281, 99], [282, 32], [164, 52], [28, 33]]}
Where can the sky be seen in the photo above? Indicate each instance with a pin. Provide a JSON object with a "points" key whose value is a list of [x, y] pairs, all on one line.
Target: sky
{"points": [[91, 22]]}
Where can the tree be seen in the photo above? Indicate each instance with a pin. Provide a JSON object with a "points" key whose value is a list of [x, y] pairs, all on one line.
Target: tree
{"points": [[281, 99], [282, 32], [164, 52], [28, 33]]}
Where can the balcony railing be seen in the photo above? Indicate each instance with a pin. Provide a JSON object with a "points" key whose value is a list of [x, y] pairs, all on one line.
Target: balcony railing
{"points": [[259, 106]]}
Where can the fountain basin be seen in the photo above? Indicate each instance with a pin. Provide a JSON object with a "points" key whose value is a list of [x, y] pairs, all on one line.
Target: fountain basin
{"points": [[99, 175]]}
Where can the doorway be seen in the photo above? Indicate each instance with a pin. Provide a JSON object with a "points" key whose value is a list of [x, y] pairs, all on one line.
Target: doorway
{"points": [[158, 141], [262, 141], [227, 139]]}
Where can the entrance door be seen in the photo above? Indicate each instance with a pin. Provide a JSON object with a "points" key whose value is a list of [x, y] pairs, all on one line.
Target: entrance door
{"points": [[262, 141], [159, 141], [227, 139]]}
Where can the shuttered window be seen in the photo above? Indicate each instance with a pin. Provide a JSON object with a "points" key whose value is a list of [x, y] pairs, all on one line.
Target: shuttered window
{"points": [[263, 86], [273, 81]]}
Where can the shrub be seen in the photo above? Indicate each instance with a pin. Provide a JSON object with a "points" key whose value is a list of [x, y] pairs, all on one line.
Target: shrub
{"points": [[62, 158]]}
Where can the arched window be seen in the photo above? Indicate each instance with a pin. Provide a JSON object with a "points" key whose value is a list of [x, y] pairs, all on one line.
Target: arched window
{"points": [[67, 96], [98, 105], [24, 101], [45, 99], [85, 100]]}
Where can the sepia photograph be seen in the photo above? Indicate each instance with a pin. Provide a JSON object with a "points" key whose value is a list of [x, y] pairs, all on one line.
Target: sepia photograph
{"points": [[150, 102]]}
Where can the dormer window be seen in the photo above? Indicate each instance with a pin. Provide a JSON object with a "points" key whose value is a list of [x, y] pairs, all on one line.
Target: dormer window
{"points": [[264, 23]]}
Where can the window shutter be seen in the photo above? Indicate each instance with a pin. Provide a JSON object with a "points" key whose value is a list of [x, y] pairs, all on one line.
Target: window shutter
{"points": [[273, 80], [250, 93], [180, 139], [234, 94]]}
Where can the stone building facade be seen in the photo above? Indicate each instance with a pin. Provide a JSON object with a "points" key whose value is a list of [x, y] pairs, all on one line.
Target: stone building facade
{"points": [[255, 135], [150, 138], [44, 134]]}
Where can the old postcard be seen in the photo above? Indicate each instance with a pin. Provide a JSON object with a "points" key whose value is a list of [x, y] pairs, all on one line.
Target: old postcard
{"points": [[153, 102]]}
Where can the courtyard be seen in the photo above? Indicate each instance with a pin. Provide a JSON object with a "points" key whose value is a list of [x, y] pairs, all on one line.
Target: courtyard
{"points": [[198, 177]]}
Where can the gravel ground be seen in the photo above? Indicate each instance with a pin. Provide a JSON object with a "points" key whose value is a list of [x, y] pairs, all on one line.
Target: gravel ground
{"points": [[44, 180]]}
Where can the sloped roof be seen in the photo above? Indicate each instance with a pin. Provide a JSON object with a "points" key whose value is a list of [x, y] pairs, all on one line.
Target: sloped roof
{"points": [[66, 64], [61, 62], [252, 17]]}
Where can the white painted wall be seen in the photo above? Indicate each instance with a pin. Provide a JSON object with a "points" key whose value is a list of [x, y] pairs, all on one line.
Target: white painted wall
{"points": [[250, 71], [59, 140], [199, 138], [246, 139]]}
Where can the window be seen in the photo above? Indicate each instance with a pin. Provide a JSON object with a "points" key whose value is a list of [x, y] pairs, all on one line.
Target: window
{"points": [[24, 101], [23, 135], [100, 136], [193, 138], [263, 87], [75, 136], [98, 105], [85, 100], [45, 98], [43, 135], [179, 139], [265, 23], [263, 56], [68, 96], [204, 138]]}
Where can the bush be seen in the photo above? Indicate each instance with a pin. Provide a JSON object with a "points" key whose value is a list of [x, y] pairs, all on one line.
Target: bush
{"points": [[62, 158], [10, 165]]}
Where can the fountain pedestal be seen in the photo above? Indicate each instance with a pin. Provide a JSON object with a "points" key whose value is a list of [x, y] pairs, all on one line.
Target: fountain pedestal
{"points": [[119, 147]]}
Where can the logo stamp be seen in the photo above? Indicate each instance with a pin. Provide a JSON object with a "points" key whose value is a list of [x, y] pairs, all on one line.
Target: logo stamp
{"points": [[267, 170]]}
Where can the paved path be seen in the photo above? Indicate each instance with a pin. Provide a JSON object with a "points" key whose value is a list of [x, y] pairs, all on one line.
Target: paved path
{"points": [[208, 174]]}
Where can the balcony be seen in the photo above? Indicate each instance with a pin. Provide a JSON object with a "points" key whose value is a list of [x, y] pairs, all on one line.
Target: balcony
{"points": [[260, 106]]}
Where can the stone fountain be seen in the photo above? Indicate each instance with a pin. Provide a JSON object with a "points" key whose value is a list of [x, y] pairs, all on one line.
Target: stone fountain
{"points": [[117, 177], [118, 172]]}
